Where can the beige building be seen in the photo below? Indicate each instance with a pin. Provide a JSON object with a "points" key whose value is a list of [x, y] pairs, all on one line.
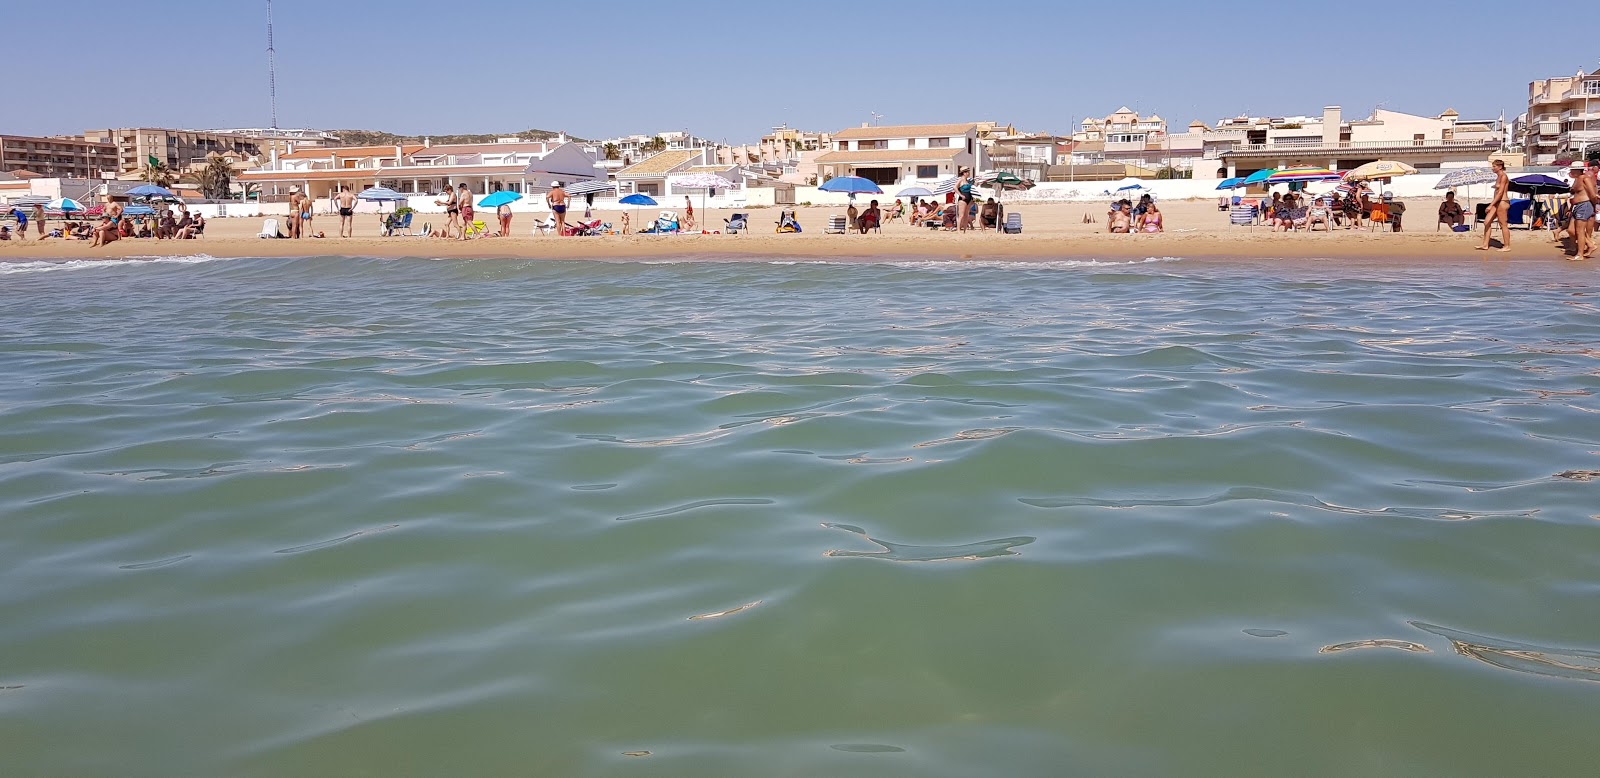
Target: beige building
{"points": [[1241, 146], [56, 157], [177, 149], [1562, 118]]}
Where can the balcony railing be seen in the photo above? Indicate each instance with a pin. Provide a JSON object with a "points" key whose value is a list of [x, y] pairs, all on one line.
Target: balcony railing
{"points": [[1369, 144]]}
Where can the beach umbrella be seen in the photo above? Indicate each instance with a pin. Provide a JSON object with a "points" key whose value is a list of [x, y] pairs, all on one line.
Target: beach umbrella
{"points": [[1131, 188], [29, 201], [379, 194], [1538, 184], [1231, 183], [151, 191], [946, 186], [703, 181], [138, 210], [914, 191], [637, 200], [497, 199], [850, 185], [1466, 177], [1381, 169], [1258, 177], [1302, 175], [65, 205]]}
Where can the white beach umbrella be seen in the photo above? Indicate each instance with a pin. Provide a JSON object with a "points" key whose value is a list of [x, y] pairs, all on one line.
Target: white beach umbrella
{"points": [[705, 182]]}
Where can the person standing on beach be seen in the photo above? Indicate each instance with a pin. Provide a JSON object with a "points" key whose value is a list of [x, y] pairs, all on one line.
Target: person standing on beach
{"points": [[347, 212], [964, 189], [464, 204], [688, 213], [294, 212], [1499, 208], [306, 204], [1584, 199], [38, 219], [556, 198], [450, 209]]}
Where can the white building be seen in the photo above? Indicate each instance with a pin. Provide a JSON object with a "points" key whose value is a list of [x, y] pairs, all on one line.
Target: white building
{"points": [[896, 155], [421, 168]]}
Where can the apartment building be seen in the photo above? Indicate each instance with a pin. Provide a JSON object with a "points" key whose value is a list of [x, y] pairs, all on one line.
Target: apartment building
{"points": [[1560, 124], [56, 157], [177, 149], [425, 168]]}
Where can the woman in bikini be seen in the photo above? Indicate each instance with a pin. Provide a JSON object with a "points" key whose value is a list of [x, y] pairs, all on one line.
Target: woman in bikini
{"points": [[464, 204], [1150, 220]]}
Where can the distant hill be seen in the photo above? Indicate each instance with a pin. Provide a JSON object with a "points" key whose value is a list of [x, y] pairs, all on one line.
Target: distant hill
{"points": [[380, 138]]}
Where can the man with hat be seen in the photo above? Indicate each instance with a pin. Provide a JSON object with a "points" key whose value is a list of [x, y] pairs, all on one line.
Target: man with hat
{"points": [[557, 200]]}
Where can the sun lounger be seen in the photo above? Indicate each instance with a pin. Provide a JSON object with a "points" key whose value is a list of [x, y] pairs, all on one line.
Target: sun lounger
{"points": [[737, 223], [269, 229], [835, 226], [1013, 225]]}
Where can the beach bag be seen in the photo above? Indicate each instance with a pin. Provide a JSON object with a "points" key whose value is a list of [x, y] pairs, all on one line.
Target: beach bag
{"points": [[1460, 228]]}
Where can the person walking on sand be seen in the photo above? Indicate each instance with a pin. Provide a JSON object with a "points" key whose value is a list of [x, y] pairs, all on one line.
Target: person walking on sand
{"points": [[556, 198], [347, 212], [688, 213], [1499, 208], [1584, 199], [450, 209]]}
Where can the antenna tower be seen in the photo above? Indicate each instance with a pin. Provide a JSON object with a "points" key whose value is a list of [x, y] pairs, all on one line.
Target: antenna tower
{"points": [[272, 71]]}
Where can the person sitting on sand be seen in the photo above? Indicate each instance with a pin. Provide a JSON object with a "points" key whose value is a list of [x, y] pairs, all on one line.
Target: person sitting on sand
{"points": [[105, 233], [1117, 221], [1150, 220], [989, 216], [869, 218], [1450, 211], [5, 233]]}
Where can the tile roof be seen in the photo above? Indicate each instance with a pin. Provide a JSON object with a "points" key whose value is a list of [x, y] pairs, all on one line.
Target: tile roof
{"points": [[708, 169], [890, 155], [906, 131], [659, 164]]}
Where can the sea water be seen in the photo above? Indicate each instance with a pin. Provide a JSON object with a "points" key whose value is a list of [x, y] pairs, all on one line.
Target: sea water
{"points": [[1084, 517]]}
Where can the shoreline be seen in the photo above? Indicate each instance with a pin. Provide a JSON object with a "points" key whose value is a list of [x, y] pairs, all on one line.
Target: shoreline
{"points": [[1051, 232]]}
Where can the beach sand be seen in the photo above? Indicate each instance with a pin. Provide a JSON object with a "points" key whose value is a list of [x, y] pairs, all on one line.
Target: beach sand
{"points": [[1196, 229]]}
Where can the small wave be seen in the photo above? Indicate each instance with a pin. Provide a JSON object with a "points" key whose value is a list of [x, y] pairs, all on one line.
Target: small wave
{"points": [[46, 266]]}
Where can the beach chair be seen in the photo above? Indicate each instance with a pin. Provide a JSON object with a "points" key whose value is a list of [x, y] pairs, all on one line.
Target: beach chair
{"points": [[1242, 214], [1013, 225], [836, 226], [668, 222], [545, 227], [1380, 215], [737, 223], [476, 229], [787, 223], [269, 229], [393, 225]]}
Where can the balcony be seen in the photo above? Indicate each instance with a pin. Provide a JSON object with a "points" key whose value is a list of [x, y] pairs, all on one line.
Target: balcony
{"points": [[1471, 143]]}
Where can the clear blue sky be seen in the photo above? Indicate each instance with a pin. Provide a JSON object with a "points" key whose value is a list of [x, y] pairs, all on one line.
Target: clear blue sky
{"points": [[723, 69]]}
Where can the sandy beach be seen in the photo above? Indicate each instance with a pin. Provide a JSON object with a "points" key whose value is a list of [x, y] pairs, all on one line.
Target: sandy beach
{"points": [[1196, 229]]}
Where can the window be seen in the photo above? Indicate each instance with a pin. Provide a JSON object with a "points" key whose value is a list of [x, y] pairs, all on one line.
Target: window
{"points": [[1125, 138], [927, 171], [871, 145], [938, 143], [1591, 88]]}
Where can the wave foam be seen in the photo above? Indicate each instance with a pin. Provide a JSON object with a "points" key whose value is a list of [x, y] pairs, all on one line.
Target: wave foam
{"points": [[47, 266]]}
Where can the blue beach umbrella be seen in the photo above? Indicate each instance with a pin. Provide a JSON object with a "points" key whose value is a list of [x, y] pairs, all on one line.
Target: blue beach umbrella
{"points": [[637, 200], [65, 205], [138, 210], [1231, 183], [850, 185], [1258, 177], [1538, 184], [497, 199], [152, 191]]}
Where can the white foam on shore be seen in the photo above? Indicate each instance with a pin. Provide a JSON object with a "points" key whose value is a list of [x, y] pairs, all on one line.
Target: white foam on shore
{"points": [[964, 264], [47, 266]]}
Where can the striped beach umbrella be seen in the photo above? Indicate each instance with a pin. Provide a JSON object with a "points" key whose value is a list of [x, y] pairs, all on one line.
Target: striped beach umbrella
{"points": [[1466, 177], [65, 205]]}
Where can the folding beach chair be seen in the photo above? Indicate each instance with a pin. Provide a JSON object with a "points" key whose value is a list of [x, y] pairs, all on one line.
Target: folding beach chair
{"points": [[836, 226], [269, 229], [737, 223], [1013, 225]]}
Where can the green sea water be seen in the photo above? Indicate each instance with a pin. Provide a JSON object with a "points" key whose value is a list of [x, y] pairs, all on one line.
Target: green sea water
{"points": [[314, 516]]}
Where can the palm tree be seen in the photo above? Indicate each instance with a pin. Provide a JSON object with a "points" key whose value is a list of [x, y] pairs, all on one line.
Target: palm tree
{"points": [[611, 150], [216, 178], [158, 174], [658, 143]]}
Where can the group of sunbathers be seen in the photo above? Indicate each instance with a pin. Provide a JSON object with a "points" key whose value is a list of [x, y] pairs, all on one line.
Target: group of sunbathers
{"points": [[1126, 218]]}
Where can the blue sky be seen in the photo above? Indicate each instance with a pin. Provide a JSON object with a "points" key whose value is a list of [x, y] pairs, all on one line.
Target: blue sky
{"points": [[724, 69]]}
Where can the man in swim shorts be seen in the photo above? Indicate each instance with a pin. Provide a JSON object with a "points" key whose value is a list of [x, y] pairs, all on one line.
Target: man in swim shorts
{"points": [[557, 200], [464, 203], [1584, 198], [347, 212]]}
